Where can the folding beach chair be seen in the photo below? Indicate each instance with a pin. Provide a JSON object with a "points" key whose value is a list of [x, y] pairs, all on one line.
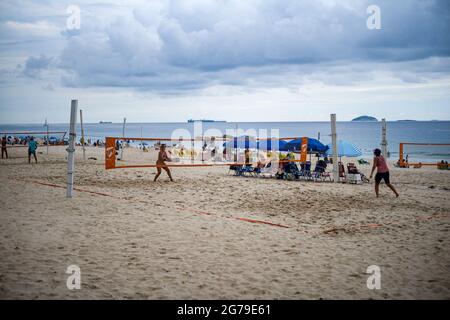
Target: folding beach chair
{"points": [[320, 174], [233, 168], [268, 171], [291, 171], [354, 176], [305, 171], [342, 175], [351, 168], [246, 169]]}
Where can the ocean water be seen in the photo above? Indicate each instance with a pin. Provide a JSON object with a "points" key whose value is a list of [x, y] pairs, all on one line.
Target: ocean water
{"points": [[365, 135]]}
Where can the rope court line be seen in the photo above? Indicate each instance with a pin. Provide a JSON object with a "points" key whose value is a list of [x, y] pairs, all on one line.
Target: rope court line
{"points": [[325, 231], [146, 202]]}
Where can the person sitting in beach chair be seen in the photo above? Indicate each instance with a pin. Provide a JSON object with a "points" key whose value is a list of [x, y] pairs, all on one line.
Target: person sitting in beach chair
{"points": [[305, 170], [268, 170], [354, 175], [259, 165], [321, 166], [352, 169], [342, 175], [291, 171], [320, 171], [247, 169], [443, 165], [234, 168]]}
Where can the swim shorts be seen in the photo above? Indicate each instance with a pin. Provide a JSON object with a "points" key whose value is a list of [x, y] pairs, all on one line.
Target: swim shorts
{"points": [[382, 176]]}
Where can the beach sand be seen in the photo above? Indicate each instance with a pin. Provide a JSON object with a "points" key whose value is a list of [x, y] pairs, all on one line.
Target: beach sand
{"points": [[136, 239]]}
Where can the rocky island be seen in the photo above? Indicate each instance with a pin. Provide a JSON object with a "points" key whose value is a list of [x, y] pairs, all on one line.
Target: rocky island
{"points": [[365, 118]]}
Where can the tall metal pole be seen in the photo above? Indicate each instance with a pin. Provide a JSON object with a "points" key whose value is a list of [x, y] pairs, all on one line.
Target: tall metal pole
{"points": [[202, 144], [71, 148], [123, 136], [82, 135], [48, 139], [334, 143], [235, 140], [384, 142]]}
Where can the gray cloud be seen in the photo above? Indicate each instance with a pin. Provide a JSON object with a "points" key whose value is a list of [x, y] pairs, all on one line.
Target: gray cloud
{"points": [[170, 46], [35, 65]]}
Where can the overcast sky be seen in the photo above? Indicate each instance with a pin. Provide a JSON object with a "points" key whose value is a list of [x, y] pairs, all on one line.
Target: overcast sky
{"points": [[266, 60]]}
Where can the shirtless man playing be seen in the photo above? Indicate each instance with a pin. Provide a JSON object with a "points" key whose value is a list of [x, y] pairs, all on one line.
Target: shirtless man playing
{"points": [[162, 157]]}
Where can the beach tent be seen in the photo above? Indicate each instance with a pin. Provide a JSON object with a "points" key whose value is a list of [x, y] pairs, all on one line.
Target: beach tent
{"points": [[272, 144], [243, 142], [314, 146], [345, 149]]}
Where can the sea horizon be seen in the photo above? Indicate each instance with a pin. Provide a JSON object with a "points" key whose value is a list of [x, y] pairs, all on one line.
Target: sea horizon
{"points": [[215, 121]]}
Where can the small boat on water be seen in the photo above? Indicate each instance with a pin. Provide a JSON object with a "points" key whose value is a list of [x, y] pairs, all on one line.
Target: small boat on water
{"points": [[105, 122], [204, 120]]}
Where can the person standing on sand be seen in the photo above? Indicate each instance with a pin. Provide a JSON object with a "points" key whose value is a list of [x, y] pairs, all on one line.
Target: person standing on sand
{"points": [[32, 146], [380, 164], [162, 157], [4, 150]]}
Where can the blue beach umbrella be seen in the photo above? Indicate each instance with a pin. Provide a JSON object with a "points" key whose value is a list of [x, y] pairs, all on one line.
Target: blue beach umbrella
{"points": [[345, 149], [271, 144], [314, 145], [241, 143]]}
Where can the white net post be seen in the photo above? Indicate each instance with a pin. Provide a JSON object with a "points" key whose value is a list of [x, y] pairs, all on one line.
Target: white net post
{"points": [[71, 148]]}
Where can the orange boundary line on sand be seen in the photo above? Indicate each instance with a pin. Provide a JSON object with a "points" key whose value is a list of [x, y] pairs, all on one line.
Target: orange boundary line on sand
{"points": [[177, 208], [326, 231]]}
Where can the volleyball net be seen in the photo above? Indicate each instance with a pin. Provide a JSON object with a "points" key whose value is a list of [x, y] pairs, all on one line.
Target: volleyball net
{"points": [[423, 154], [15, 144], [123, 152]]}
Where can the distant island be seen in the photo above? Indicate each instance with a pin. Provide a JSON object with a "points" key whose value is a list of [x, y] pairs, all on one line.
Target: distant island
{"points": [[365, 118], [204, 120]]}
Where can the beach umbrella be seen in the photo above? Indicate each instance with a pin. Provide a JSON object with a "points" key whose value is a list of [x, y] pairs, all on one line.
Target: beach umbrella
{"points": [[271, 144], [241, 143], [345, 149], [314, 146]]}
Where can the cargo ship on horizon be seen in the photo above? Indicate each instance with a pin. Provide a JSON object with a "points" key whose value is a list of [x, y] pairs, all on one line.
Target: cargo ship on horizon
{"points": [[204, 120]]}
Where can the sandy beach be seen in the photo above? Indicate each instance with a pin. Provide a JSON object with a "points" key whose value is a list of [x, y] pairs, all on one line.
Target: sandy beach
{"points": [[204, 236]]}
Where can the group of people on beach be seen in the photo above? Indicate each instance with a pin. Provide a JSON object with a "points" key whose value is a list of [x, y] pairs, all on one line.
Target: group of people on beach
{"points": [[32, 147], [379, 164]]}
